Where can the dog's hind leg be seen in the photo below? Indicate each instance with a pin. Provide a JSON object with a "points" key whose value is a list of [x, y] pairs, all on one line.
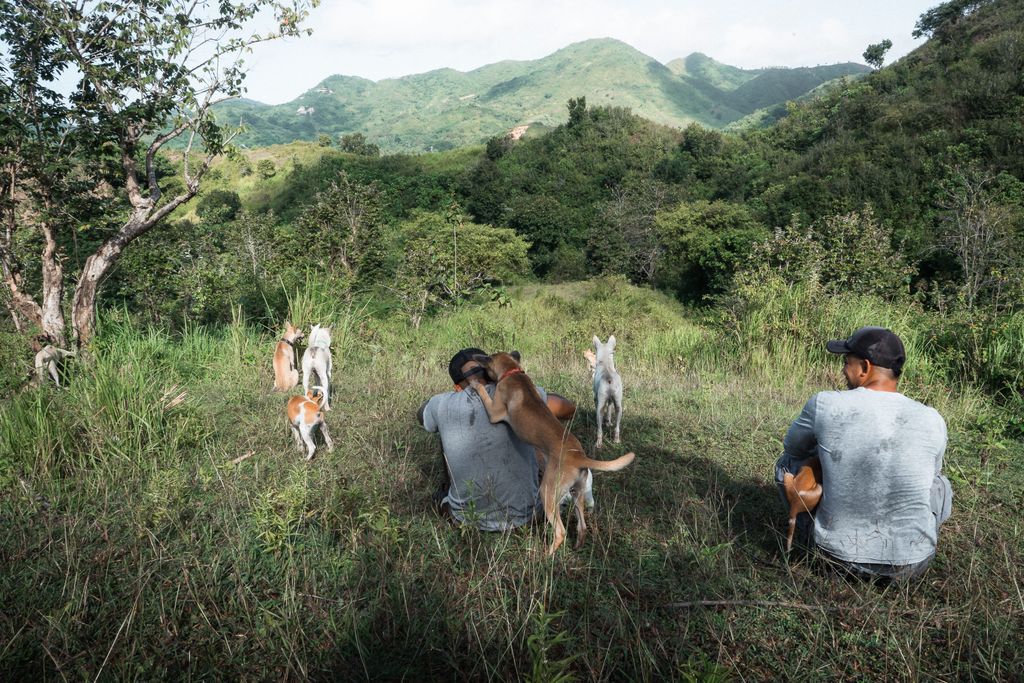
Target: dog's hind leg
{"points": [[308, 439], [601, 399], [295, 435], [581, 523], [327, 436], [52, 366], [326, 380], [618, 417]]}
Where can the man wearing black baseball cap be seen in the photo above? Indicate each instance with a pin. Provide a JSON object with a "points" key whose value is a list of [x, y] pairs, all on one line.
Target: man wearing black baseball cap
{"points": [[492, 474], [883, 492]]}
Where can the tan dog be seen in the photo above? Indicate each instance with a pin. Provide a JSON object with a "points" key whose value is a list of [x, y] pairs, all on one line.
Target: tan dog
{"points": [[517, 402], [286, 371], [803, 491], [304, 415]]}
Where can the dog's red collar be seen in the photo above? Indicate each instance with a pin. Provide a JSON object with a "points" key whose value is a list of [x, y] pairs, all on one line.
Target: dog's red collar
{"points": [[512, 371]]}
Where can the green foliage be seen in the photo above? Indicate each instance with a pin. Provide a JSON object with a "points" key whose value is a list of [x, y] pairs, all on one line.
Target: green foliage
{"points": [[875, 54], [850, 253], [356, 143], [266, 169], [543, 643], [704, 242], [447, 259], [341, 230], [219, 206], [941, 18]]}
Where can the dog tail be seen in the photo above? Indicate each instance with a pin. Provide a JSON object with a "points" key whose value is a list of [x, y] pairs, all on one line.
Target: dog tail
{"points": [[608, 465]]}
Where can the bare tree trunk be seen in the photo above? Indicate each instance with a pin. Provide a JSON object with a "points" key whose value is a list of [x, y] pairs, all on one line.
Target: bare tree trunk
{"points": [[83, 306], [51, 313]]}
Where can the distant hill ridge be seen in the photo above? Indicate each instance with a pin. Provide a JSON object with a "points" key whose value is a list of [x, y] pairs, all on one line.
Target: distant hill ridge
{"points": [[446, 108]]}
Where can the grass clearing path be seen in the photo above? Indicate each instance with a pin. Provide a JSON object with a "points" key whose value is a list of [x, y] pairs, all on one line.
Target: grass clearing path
{"points": [[132, 547]]}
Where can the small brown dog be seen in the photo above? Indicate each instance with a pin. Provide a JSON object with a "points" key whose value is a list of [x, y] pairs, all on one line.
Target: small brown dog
{"points": [[803, 491], [517, 402], [286, 371], [304, 415]]}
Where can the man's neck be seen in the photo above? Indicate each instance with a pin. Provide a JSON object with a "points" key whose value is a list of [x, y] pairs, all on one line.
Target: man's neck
{"points": [[881, 384]]}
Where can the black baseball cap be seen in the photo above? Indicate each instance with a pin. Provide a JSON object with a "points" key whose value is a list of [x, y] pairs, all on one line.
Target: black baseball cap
{"points": [[460, 359], [876, 344]]}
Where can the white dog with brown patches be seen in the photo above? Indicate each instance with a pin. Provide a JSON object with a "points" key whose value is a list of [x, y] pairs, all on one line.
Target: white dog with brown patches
{"points": [[607, 387], [303, 417], [317, 358]]}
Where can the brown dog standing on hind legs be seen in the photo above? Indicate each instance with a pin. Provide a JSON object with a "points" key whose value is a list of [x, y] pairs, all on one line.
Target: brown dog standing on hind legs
{"points": [[286, 370], [305, 415], [803, 492], [517, 402]]}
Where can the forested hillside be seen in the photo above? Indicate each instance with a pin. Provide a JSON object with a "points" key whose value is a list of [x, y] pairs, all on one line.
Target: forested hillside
{"points": [[923, 156], [445, 108]]}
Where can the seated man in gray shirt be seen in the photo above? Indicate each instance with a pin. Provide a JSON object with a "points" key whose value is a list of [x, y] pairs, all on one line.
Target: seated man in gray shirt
{"points": [[883, 493], [492, 474]]}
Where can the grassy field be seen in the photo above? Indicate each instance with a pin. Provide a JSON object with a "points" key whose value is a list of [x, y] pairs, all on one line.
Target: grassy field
{"points": [[132, 547]]}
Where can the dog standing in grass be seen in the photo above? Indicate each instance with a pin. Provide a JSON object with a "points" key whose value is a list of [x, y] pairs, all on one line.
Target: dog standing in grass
{"points": [[286, 371], [304, 415], [46, 362], [607, 388], [317, 358], [517, 402]]}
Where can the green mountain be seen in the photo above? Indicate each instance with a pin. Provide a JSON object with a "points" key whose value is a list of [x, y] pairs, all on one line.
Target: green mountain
{"points": [[445, 108]]}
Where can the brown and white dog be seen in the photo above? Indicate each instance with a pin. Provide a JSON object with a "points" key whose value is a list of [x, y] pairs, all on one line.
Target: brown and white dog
{"points": [[286, 371], [803, 492], [305, 415], [517, 402]]}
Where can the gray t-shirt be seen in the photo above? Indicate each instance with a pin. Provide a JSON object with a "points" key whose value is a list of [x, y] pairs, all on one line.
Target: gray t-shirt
{"points": [[493, 473], [880, 453]]}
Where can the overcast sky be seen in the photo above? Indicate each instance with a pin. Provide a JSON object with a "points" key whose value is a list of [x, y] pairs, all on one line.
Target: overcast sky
{"points": [[380, 39]]}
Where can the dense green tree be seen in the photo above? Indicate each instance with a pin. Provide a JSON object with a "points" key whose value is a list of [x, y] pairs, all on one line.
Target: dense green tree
{"points": [[875, 54], [448, 258], [704, 242], [356, 143], [219, 206], [144, 74]]}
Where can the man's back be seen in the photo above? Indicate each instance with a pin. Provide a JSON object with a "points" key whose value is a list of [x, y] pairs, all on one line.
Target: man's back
{"points": [[880, 453], [493, 473]]}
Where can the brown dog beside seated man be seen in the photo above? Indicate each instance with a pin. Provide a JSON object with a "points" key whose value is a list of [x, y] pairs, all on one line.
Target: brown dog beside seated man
{"points": [[516, 401], [492, 474]]}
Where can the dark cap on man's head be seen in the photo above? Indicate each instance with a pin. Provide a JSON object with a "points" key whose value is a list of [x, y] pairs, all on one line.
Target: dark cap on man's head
{"points": [[460, 359], [876, 344]]}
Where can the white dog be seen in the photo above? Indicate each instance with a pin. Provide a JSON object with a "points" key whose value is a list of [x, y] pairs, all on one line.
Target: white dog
{"points": [[46, 362], [317, 358], [607, 387]]}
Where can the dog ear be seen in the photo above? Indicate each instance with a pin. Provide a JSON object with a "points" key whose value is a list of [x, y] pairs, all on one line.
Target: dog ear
{"points": [[611, 343], [482, 360], [515, 354], [597, 342]]}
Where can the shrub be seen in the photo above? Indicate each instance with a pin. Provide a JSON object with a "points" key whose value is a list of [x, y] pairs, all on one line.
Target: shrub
{"points": [[448, 258], [219, 206], [704, 242]]}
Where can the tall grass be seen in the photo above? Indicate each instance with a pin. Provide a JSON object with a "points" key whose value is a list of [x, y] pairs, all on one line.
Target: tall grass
{"points": [[159, 523]]}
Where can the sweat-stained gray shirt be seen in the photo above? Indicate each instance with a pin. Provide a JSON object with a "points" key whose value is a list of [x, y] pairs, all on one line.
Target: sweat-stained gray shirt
{"points": [[493, 473], [880, 454]]}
